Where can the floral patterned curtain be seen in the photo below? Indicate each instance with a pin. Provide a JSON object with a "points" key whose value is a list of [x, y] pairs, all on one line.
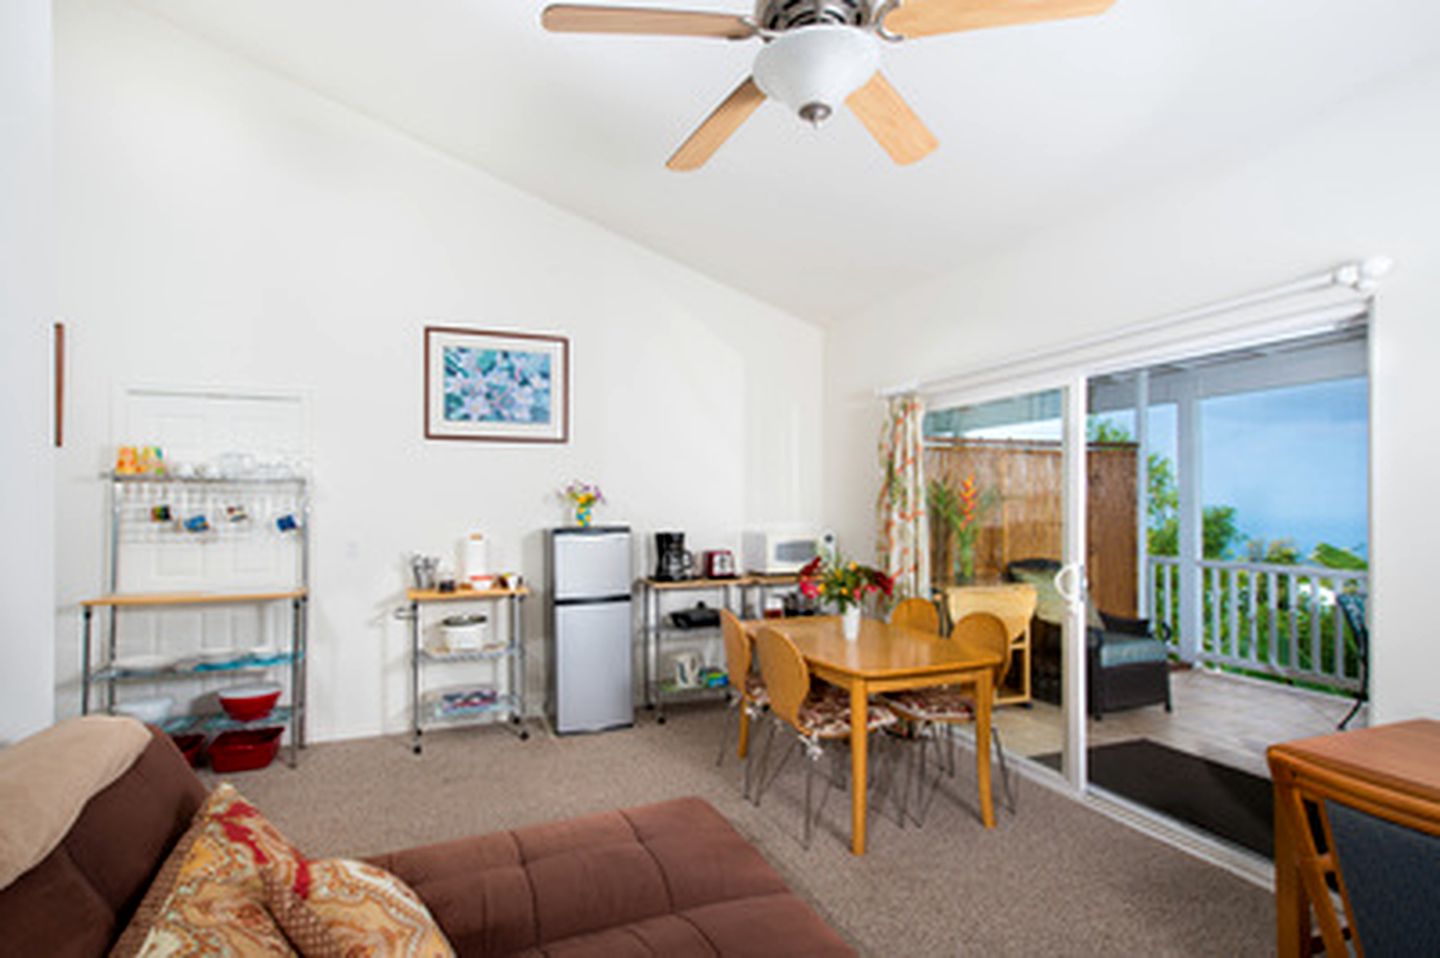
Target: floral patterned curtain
{"points": [[904, 545]]}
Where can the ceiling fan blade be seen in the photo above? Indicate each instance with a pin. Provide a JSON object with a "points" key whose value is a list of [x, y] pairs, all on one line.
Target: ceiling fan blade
{"points": [[718, 127], [574, 18], [924, 18], [891, 121]]}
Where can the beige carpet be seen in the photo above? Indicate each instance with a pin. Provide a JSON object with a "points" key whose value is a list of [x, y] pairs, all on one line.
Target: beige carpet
{"points": [[1052, 878]]}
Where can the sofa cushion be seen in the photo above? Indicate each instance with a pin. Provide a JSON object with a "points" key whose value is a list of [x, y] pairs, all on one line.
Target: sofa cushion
{"points": [[672, 878], [78, 898], [46, 781]]}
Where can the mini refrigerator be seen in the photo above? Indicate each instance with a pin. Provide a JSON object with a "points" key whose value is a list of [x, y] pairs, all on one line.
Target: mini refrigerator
{"points": [[591, 671]]}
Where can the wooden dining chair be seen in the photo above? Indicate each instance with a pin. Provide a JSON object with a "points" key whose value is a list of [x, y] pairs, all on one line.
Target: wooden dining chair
{"points": [[929, 710], [1377, 846], [748, 697], [816, 717], [919, 614]]}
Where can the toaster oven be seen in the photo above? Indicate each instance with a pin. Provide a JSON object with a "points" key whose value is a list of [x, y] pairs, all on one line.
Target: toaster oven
{"points": [[783, 549]]}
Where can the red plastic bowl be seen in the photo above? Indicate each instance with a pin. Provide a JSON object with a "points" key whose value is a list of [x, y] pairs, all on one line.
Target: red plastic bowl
{"points": [[250, 702], [190, 744], [242, 750]]}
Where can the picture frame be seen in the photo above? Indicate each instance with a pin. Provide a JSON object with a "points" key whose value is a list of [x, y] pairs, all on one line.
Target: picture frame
{"points": [[496, 386]]}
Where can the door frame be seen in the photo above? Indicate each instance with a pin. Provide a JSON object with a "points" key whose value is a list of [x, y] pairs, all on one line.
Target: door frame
{"points": [[1071, 376]]}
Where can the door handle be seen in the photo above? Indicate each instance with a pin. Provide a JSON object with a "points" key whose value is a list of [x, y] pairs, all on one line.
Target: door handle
{"points": [[1071, 590]]}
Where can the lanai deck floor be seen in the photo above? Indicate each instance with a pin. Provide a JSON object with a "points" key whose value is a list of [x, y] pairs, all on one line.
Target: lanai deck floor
{"points": [[1226, 718]]}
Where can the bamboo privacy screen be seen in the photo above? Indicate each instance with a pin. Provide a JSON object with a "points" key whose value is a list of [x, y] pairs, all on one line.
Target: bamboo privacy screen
{"points": [[1023, 481]]}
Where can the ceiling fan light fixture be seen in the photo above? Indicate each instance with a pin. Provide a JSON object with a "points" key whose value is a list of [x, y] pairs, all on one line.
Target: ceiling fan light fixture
{"points": [[811, 70]]}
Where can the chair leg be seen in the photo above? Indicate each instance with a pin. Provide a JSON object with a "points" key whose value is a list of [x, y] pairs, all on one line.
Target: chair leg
{"points": [[809, 783], [1004, 770], [725, 729], [924, 796], [764, 765]]}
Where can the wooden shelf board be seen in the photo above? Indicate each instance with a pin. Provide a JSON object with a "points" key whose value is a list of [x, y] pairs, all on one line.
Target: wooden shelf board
{"points": [[461, 594], [742, 581], [192, 598]]}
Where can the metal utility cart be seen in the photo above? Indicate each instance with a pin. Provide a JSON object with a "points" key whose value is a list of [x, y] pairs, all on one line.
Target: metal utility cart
{"points": [[735, 594], [134, 522], [427, 708]]}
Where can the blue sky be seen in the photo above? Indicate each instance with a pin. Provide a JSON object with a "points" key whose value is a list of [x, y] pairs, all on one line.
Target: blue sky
{"points": [[1293, 462]]}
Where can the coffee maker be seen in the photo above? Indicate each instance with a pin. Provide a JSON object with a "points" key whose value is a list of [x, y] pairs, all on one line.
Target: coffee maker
{"points": [[672, 562]]}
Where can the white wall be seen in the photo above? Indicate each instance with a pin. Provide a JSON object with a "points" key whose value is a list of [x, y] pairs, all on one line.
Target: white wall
{"points": [[27, 305], [1362, 181], [219, 224]]}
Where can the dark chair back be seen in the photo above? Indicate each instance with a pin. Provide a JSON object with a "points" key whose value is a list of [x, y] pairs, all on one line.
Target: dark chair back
{"points": [[1392, 881]]}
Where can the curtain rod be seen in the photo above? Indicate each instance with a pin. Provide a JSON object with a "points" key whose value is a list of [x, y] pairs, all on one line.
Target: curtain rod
{"points": [[1362, 276]]}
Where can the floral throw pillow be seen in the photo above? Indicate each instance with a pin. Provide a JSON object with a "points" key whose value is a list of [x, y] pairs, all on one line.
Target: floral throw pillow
{"points": [[337, 908], [214, 899]]}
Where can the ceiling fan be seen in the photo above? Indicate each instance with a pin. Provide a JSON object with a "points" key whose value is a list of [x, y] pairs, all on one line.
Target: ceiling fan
{"points": [[817, 54]]}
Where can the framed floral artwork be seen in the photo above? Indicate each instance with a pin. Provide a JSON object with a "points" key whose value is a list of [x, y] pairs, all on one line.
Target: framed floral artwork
{"points": [[496, 386]]}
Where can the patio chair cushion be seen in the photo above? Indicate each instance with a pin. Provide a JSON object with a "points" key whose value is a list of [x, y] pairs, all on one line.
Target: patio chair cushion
{"points": [[1049, 604], [1117, 650]]}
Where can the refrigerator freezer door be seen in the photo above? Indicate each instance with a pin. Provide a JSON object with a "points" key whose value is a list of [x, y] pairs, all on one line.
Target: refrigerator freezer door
{"points": [[592, 566], [593, 667]]}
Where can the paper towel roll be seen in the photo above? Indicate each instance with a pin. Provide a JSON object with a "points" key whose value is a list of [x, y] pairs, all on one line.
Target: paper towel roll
{"points": [[477, 562]]}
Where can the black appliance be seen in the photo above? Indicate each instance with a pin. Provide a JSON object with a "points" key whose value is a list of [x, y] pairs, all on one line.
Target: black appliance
{"points": [[672, 562]]}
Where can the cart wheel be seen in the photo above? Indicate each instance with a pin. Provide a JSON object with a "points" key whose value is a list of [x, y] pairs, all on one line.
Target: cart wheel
{"points": [[524, 735], [415, 748], [649, 706], [660, 719]]}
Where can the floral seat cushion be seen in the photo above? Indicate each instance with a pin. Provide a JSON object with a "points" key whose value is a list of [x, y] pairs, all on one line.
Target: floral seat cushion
{"points": [[826, 714], [755, 691], [940, 703]]}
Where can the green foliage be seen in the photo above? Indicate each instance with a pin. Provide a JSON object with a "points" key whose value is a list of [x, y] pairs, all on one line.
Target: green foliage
{"points": [[1334, 557], [1220, 533], [944, 504], [1275, 551], [1103, 430]]}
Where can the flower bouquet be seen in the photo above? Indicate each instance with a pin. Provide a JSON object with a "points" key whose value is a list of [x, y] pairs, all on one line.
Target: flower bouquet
{"points": [[583, 496], [845, 584]]}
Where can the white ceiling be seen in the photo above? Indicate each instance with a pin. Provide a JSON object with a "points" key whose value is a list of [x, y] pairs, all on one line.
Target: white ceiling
{"points": [[1036, 124]]}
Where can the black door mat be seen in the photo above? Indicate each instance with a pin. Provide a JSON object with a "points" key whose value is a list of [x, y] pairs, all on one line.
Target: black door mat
{"points": [[1224, 801]]}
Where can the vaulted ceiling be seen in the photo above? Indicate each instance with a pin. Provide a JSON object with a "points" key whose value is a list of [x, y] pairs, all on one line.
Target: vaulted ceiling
{"points": [[1036, 124]]}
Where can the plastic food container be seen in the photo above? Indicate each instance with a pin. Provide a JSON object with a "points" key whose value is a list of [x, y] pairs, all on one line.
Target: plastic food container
{"points": [[243, 750], [190, 744], [247, 703], [152, 710]]}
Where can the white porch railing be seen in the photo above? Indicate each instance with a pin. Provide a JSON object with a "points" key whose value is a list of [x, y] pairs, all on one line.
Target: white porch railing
{"points": [[1276, 619]]}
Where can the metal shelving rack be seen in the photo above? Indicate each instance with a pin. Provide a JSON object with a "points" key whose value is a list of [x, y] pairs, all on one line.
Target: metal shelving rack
{"points": [[654, 632], [510, 703], [108, 673]]}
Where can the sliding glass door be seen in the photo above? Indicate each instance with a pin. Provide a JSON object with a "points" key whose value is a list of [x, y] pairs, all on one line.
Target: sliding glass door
{"points": [[1228, 554], [999, 513]]}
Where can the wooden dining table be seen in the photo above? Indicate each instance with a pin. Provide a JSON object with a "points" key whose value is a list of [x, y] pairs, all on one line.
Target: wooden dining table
{"points": [[887, 658]]}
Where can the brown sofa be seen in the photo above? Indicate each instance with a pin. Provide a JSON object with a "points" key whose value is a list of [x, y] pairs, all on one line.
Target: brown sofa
{"points": [[672, 879]]}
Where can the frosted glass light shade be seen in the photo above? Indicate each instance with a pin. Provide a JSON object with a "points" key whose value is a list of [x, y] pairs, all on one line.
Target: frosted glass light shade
{"points": [[813, 69]]}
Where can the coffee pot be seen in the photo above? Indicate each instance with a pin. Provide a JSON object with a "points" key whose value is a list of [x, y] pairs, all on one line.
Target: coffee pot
{"points": [[672, 562]]}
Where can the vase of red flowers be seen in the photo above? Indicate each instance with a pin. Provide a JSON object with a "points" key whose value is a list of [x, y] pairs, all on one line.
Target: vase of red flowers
{"points": [[844, 585]]}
